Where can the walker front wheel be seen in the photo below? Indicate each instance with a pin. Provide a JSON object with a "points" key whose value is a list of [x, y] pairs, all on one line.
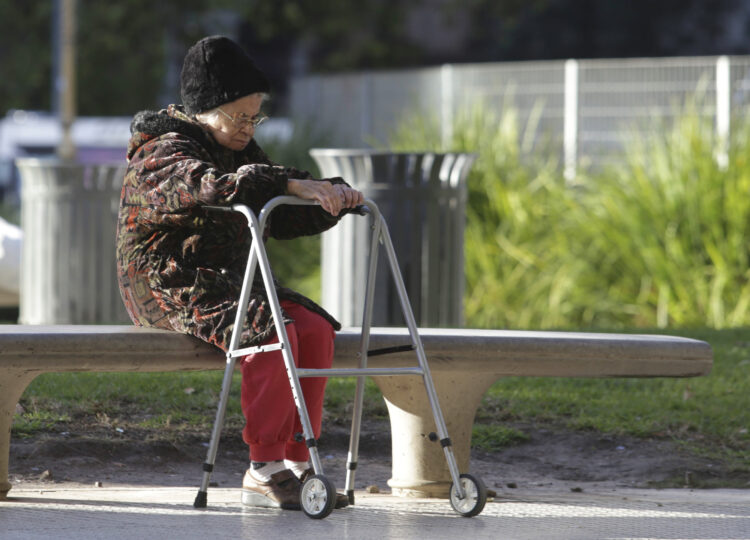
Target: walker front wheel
{"points": [[318, 496], [475, 496]]}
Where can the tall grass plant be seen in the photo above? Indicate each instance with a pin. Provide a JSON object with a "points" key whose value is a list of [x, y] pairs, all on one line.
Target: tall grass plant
{"points": [[657, 241], [667, 231]]}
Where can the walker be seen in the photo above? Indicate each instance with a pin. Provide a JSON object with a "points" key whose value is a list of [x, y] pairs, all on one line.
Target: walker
{"points": [[468, 494]]}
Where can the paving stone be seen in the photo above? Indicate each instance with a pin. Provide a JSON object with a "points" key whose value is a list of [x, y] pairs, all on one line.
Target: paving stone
{"points": [[126, 512]]}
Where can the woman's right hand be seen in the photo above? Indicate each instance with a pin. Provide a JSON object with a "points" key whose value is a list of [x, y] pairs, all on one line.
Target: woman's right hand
{"points": [[329, 196]]}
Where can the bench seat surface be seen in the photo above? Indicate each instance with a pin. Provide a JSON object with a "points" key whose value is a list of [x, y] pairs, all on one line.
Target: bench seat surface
{"points": [[503, 352]]}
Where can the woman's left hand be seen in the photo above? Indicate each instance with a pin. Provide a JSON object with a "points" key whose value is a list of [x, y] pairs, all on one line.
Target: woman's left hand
{"points": [[332, 197], [350, 197]]}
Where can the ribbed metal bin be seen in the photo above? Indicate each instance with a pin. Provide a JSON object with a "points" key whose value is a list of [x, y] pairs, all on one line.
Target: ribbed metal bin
{"points": [[69, 219], [422, 197]]}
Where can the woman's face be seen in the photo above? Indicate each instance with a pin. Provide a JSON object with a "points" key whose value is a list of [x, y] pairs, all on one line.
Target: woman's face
{"points": [[223, 124]]}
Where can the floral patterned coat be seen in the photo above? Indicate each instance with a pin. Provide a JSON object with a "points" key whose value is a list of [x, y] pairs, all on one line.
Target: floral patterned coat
{"points": [[180, 265]]}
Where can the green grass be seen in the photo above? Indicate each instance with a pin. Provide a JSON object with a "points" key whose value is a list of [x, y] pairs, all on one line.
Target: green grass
{"points": [[148, 401], [37, 420], [183, 401], [494, 437], [707, 415]]}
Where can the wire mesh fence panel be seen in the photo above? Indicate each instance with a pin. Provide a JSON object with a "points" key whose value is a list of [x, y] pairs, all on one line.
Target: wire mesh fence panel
{"points": [[739, 81], [533, 89], [614, 99], [620, 99]]}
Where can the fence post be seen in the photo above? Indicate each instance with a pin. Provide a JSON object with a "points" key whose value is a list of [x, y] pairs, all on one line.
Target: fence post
{"points": [[446, 106], [570, 121], [723, 111]]}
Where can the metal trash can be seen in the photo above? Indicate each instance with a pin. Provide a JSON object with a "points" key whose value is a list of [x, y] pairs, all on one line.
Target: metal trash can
{"points": [[69, 221], [422, 197]]}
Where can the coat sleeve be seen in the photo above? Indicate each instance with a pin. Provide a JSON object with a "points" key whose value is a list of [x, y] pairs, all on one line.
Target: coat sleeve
{"points": [[255, 154], [177, 174], [289, 221]]}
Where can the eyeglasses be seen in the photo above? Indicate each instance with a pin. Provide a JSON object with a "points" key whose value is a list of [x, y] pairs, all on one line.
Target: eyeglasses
{"points": [[241, 121]]}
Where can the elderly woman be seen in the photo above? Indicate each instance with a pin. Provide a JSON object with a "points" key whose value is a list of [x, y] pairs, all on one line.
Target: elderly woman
{"points": [[181, 264]]}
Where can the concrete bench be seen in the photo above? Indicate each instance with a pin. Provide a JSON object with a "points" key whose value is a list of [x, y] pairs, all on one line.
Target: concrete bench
{"points": [[464, 364]]}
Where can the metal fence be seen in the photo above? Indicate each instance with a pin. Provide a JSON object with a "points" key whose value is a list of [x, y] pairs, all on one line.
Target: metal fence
{"points": [[587, 106]]}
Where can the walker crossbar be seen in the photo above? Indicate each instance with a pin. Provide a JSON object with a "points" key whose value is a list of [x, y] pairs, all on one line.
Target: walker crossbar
{"points": [[355, 372], [467, 494], [256, 350]]}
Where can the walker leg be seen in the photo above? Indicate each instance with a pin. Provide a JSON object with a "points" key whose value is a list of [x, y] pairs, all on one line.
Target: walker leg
{"points": [[461, 500], [353, 456], [201, 499], [359, 393]]}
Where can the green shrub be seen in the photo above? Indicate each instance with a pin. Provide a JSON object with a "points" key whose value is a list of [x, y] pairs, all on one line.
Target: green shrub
{"points": [[657, 241], [667, 232]]}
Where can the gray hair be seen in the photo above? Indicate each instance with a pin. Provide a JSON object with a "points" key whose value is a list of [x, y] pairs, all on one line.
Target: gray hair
{"points": [[203, 117]]}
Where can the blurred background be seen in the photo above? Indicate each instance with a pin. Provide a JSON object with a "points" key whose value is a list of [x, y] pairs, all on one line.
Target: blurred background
{"points": [[610, 184]]}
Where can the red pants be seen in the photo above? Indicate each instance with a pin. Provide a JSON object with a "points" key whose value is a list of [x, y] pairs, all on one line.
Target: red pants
{"points": [[270, 413]]}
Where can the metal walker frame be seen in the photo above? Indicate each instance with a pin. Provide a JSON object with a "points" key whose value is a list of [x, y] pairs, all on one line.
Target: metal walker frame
{"points": [[467, 493]]}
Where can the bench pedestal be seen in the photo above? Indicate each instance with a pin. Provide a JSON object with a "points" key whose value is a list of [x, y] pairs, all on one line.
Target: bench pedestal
{"points": [[419, 465], [12, 386]]}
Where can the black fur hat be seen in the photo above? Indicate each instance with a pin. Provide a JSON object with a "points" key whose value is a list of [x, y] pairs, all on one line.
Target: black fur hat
{"points": [[216, 71]]}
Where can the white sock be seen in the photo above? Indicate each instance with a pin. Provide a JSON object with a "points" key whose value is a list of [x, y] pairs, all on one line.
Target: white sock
{"points": [[297, 467], [264, 472]]}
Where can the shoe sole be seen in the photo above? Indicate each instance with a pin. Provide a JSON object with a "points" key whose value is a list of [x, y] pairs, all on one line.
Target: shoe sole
{"points": [[253, 498]]}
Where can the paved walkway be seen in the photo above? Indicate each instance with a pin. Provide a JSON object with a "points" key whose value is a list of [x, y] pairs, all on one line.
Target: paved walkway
{"points": [[166, 513]]}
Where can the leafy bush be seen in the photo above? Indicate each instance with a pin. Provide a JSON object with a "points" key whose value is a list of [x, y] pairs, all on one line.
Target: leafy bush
{"points": [[656, 241], [667, 232]]}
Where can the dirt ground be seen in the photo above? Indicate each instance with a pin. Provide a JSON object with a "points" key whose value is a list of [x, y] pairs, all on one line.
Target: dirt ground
{"points": [[551, 459]]}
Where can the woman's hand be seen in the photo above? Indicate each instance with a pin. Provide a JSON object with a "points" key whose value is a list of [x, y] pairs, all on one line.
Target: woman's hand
{"points": [[350, 197], [332, 197]]}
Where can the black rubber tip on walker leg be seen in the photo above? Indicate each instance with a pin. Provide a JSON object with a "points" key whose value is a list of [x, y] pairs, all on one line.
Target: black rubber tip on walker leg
{"points": [[201, 500], [350, 494]]}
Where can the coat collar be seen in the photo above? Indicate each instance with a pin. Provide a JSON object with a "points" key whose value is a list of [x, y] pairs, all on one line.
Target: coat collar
{"points": [[148, 125]]}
